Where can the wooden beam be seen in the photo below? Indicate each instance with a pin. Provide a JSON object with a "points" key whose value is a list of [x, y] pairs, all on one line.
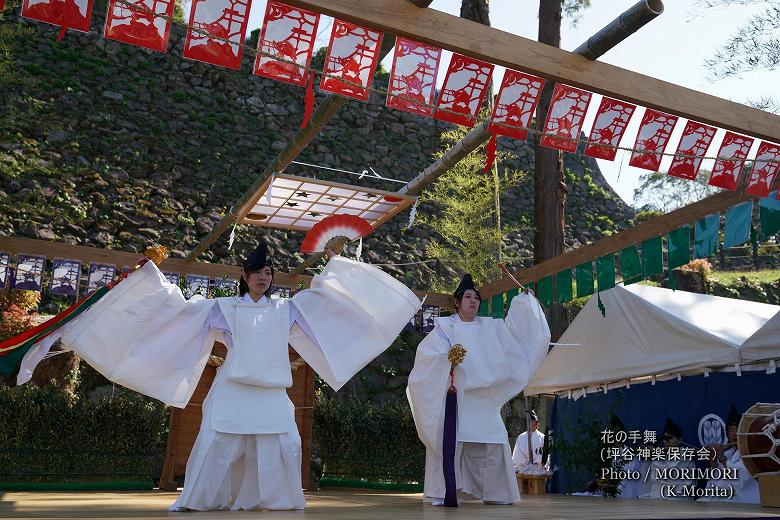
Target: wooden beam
{"points": [[612, 244], [502, 48], [86, 254]]}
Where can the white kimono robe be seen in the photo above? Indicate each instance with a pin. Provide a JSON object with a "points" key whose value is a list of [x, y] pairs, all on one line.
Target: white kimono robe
{"points": [[520, 452], [502, 357], [655, 487], [144, 335], [745, 487]]}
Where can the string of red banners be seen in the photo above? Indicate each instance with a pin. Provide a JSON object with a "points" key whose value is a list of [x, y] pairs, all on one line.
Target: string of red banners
{"points": [[217, 28]]}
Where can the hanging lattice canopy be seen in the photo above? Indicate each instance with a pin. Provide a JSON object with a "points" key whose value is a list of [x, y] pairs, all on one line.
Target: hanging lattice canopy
{"points": [[291, 202]]}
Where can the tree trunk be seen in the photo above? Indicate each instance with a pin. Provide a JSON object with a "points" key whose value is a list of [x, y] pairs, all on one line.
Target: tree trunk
{"points": [[549, 179], [476, 10]]}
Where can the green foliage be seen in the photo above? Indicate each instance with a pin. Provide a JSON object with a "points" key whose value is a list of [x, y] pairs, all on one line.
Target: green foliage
{"points": [[661, 192], [50, 435], [646, 215], [461, 208], [367, 440], [11, 34]]}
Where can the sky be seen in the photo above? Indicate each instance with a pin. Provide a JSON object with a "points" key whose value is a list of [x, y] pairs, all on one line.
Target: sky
{"points": [[673, 48]]}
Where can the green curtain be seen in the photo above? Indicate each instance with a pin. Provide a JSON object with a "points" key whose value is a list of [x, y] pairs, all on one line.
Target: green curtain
{"points": [[545, 293], [584, 279], [769, 212], [563, 281], [511, 293], [605, 271], [705, 236], [497, 306], [738, 219], [679, 247], [652, 257], [630, 265]]}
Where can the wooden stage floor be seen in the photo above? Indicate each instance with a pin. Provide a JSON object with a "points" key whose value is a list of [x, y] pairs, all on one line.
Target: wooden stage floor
{"points": [[366, 505]]}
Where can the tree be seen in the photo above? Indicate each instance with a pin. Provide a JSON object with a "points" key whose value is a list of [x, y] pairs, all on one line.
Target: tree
{"points": [[460, 208], [754, 46], [662, 192], [550, 188]]}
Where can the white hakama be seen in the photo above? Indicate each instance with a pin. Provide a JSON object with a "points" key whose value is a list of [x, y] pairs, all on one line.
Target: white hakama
{"points": [[501, 358]]}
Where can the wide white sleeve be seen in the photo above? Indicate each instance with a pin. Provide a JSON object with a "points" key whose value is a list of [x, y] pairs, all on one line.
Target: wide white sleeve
{"points": [[353, 312], [427, 387], [144, 335], [525, 338]]}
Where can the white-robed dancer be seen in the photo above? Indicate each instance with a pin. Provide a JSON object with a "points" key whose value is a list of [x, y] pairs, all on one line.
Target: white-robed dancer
{"points": [[144, 335], [501, 358]]}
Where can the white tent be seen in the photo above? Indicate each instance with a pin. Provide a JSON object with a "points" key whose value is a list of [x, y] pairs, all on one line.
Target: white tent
{"points": [[651, 332]]}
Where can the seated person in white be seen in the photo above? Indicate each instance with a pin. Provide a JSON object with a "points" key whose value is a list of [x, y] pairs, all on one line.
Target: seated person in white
{"points": [[501, 357], [520, 453], [144, 335], [745, 488], [657, 487]]}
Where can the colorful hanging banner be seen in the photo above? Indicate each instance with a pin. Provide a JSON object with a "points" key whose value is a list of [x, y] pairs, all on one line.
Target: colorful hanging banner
{"points": [[137, 24], [608, 128], [652, 257], [769, 213], [765, 168], [29, 272], [605, 272], [65, 276], [352, 56], [510, 294], [173, 278], [731, 157], [463, 90], [705, 236], [630, 265], [545, 291], [280, 291], [497, 306], [738, 220], [286, 43], [654, 132], [564, 118], [563, 286], [515, 104], [483, 308], [413, 77], [68, 14], [585, 281], [100, 275], [679, 247], [693, 146], [216, 32]]}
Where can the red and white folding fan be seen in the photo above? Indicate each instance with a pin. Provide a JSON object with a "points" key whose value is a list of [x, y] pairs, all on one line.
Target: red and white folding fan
{"points": [[349, 226]]}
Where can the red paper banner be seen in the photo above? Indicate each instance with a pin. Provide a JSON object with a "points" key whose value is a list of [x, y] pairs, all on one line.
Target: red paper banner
{"points": [[515, 104], [608, 128], [225, 19], [288, 33], [2, 5], [696, 138], [70, 14], [413, 77], [564, 118], [352, 56], [127, 24], [731, 157], [765, 168], [463, 90], [651, 141]]}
